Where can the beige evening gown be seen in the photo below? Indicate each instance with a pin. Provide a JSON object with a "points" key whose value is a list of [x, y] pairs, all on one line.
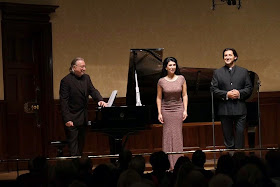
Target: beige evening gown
{"points": [[172, 112]]}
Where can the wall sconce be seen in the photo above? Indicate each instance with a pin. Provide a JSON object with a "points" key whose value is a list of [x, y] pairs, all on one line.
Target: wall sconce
{"points": [[228, 2]]}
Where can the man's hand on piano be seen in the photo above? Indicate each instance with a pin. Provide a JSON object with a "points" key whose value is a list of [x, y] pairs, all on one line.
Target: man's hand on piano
{"points": [[102, 104], [69, 124], [160, 118], [185, 115]]}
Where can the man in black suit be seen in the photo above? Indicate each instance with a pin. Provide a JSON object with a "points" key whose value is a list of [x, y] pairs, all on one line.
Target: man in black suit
{"points": [[74, 91], [232, 85]]}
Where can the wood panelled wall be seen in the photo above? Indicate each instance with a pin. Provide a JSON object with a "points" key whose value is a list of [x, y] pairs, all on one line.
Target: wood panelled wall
{"points": [[196, 135], [3, 143]]}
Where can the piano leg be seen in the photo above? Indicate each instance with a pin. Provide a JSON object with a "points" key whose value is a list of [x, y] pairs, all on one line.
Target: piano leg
{"points": [[115, 145]]}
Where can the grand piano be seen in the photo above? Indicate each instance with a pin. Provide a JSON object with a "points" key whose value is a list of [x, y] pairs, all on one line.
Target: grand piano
{"points": [[118, 122]]}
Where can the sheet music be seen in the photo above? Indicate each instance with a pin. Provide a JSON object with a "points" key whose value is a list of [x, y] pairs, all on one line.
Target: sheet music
{"points": [[112, 98]]}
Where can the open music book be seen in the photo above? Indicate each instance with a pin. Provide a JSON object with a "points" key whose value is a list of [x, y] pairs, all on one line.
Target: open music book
{"points": [[112, 98]]}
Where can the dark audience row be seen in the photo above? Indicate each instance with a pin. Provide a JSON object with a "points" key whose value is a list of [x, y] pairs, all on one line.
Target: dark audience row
{"points": [[239, 170]]}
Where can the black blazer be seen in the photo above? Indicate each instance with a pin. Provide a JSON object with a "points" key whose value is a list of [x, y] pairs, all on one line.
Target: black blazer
{"points": [[224, 81], [73, 94]]}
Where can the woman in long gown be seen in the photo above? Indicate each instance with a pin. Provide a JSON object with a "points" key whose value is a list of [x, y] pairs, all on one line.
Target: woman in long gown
{"points": [[172, 102]]}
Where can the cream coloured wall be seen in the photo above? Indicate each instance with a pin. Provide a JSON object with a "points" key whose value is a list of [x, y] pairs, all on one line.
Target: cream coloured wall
{"points": [[102, 32]]}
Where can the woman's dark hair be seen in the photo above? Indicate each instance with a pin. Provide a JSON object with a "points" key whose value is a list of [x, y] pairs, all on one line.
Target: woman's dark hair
{"points": [[225, 165], [233, 51], [199, 158], [159, 161], [165, 62], [73, 63]]}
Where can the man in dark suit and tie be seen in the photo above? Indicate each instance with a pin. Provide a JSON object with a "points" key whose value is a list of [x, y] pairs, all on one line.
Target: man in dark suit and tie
{"points": [[74, 91], [232, 85]]}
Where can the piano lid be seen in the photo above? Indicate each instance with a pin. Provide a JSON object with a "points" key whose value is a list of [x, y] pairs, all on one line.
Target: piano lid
{"points": [[148, 65]]}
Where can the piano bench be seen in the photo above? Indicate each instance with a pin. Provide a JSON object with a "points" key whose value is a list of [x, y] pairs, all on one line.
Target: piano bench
{"points": [[59, 145]]}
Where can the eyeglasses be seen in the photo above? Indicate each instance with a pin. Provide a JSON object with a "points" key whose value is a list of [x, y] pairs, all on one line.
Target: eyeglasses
{"points": [[81, 66]]}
